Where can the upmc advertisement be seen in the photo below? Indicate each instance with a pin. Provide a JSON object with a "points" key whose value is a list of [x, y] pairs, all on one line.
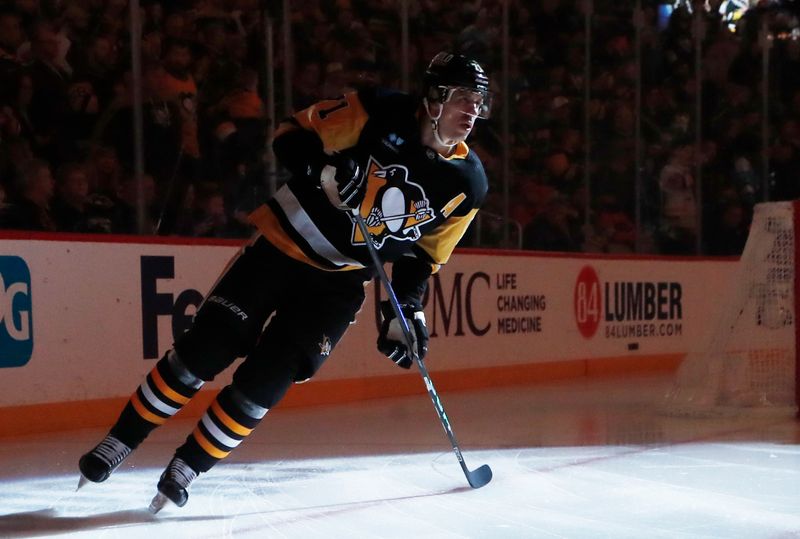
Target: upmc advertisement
{"points": [[86, 319]]}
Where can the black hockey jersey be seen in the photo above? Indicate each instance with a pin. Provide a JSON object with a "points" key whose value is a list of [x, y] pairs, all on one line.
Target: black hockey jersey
{"points": [[417, 202]]}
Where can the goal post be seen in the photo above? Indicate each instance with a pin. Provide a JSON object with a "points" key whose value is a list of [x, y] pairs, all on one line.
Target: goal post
{"points": [[747, 360]]}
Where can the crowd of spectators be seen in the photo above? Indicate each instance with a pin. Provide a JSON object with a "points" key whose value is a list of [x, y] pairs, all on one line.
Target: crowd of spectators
{"points": [[66, 134], [66, 123], [549, 189]]}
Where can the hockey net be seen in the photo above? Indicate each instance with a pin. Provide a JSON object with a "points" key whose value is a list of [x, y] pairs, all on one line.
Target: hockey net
{"points": [[747, 361]]}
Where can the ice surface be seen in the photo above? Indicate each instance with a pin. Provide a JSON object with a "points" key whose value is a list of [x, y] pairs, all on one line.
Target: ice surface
{"points": [[580, 459]]}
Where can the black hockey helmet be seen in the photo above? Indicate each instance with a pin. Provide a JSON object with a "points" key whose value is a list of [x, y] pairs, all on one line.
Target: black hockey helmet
{"points": [[448, 72]]}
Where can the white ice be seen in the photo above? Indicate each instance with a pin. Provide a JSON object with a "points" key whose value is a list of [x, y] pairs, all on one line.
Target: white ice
{"points": [[587, 459]]}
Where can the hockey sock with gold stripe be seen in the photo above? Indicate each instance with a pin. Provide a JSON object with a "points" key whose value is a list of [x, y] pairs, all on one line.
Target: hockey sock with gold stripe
{"points": [[165, 390], [228, 421]]}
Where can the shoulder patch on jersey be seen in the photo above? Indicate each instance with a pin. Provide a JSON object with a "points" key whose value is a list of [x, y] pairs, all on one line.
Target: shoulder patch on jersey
{"points": [[337, 122]]}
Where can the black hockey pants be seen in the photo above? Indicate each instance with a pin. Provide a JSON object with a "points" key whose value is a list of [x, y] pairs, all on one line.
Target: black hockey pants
{"points": [[310, 310]]}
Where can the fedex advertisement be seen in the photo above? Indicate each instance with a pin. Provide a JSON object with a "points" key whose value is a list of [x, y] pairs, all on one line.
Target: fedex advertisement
{"points": [[86, 318]]}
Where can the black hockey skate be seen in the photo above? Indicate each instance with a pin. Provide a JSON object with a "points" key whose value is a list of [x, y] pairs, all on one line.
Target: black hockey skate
{"points": [[100, 462], [173, 485]]}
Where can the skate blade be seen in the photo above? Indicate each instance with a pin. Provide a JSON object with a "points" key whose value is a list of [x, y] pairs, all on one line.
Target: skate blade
{"points": [[81, 483], [158, 503]]}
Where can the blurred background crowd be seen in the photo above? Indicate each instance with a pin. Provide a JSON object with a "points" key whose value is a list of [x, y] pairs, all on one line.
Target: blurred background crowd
{"points": [[647, 126]]}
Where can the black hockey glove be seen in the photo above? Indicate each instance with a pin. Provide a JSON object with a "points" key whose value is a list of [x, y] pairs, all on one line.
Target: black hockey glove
{"points": [[343, 181], [391, 342]]}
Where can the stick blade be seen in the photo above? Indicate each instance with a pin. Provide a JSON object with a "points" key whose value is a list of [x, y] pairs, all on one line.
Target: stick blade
{"points": [[479, 477]]}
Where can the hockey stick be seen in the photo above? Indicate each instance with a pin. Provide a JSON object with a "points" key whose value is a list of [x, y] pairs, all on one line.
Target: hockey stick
{"points": [[478, 477], [402, 216]]}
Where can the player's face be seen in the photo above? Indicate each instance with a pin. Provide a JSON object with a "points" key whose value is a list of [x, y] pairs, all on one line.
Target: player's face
{"points": [[459, 112]]}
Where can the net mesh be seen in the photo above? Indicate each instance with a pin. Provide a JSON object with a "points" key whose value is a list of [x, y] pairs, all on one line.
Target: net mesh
{"points": [[747, 360]]}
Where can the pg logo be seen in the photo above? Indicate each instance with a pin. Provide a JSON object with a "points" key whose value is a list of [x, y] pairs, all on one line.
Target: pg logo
{"points": [[16, 324]]}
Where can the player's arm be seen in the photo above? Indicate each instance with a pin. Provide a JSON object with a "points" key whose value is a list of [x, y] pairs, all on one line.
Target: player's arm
{"points": [[311, 136], [409, 282], [410, 279], [298, 149], [314, 141], [410, 274], [438, 244]]}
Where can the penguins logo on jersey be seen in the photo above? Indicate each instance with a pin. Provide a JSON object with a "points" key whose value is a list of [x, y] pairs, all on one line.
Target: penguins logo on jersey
{"points": [[393, 207]]}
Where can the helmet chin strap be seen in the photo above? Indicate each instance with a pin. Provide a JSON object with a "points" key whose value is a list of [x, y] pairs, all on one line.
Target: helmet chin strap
{"points": [[435, 126]]}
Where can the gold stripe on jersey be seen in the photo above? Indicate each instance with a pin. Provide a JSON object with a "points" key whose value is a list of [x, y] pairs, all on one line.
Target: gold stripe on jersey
{"points": [[267, 223], [305, 226], [440, 243], [338, 122], [451, 206]]}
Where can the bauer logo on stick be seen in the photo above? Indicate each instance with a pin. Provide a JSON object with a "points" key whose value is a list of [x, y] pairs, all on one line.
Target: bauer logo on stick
{"points": [[16, 325]]}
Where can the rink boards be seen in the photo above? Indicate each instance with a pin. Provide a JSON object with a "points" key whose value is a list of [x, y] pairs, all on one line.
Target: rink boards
{"points": [[84, 318]]}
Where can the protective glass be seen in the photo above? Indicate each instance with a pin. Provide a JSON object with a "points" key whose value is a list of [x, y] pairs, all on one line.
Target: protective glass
{"points": [[481, 101]]}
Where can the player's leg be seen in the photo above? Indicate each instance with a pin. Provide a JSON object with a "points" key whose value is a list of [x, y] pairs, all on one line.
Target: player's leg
{"points": [[226, 327], [167, 387], [258, 385], [293, 347]]}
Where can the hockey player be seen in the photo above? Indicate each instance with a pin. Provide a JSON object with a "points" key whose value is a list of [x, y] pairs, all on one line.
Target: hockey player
{"points": [[398, 160]]}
